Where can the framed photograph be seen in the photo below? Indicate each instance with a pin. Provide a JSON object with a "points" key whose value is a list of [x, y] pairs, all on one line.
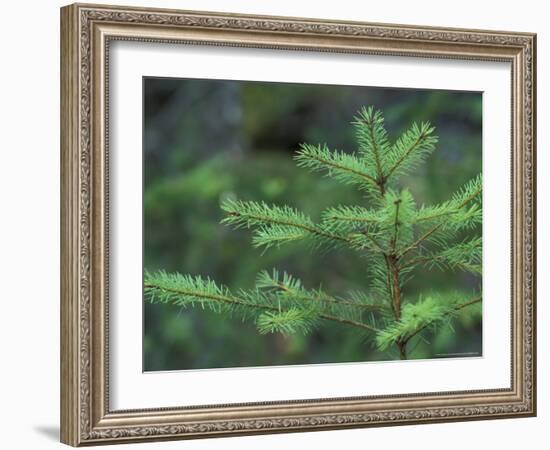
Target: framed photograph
{"points": [[276, 224]]}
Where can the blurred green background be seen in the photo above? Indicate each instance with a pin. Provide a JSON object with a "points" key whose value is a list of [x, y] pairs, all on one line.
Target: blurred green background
{"points": [[206, 140]]}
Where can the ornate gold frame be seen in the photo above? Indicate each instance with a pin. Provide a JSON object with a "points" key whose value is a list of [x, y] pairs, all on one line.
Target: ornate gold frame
{"points": [[86, 31]]}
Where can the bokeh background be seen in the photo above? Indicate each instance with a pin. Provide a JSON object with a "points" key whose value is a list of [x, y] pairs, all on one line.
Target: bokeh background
{"points": [[205, 140]]}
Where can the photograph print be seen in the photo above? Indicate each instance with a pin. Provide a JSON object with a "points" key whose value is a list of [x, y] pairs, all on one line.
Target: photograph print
{"points": [[292, 224]]}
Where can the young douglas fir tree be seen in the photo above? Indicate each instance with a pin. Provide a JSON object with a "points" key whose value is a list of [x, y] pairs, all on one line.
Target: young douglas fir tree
{"points": [[395, 235]]}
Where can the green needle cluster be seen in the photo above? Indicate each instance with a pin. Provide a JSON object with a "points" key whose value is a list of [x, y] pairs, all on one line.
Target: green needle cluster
{"points": [[395, 234]]}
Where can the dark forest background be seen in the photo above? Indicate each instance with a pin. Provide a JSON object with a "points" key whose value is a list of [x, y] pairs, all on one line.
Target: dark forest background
{"points": [[206, 140]]}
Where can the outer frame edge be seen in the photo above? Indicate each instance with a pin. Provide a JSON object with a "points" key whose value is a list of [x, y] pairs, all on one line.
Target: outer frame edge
{"points": [[71, 403], [69, 309]]}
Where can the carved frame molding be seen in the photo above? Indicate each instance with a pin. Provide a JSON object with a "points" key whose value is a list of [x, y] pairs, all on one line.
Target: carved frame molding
{"points": [[86, 32]]}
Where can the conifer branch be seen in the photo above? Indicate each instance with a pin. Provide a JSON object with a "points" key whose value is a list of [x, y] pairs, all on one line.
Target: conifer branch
{"points": [[181, 290], [456, 308], [390, 286], [342, 166], [350, 218], [412, 148], [454, 209], [270, 219], [396, 289], [432, 214], [152, 288], [396, 224], [416, 317], [293, 288], [415, 262], [390, 230], [470, 192], [373, 140], [361, 239], [416, 243], [468, 303]]}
